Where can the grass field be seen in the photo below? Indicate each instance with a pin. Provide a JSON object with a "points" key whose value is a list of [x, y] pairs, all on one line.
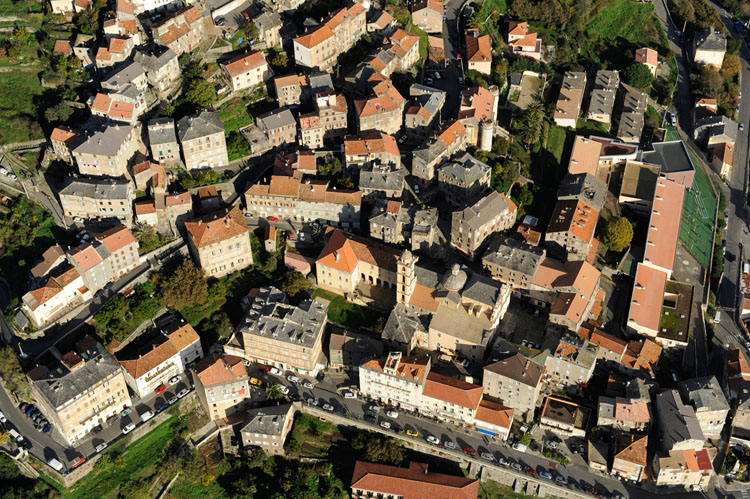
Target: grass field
{"points": [[17, 110], [697, 223], [348, 314], [634, 22], [140, 458], [234, 114], [19, 7]]}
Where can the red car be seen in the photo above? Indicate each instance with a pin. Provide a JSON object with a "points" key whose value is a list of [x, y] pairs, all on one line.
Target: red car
{"points": [[160, 389], [77, 462], [264, 369], [246, 16], [470, 451], [273, 219], [529, 471]]}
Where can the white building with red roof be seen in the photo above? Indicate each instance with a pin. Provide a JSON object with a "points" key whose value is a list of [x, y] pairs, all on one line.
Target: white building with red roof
{"points": [[649, 58], [246, 70], [321, 46], [522, 42], [414, 482]]}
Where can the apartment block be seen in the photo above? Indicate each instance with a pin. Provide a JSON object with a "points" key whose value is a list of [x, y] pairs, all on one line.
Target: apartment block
{"points": [[423, 115], [267, 428], [513, 261], [161, 66], [222, 385], [624, 414], [182, 32], [570, 99], [108, 151], [269, 26], [677, 424], [463, 180], [516, 381], [382, 111], [320, 47], [159, 354], [603, 96], [122, 250], [570, 233], [290, 337], [689, 469], [290, 88], [220, 242], [428, 15], [278, 126], [471, 226], [162, 140], [246, 70], [347, 349], [564, 417], [371, 148], [202, 140], [710, 404], [81, 390], [98, 199]]}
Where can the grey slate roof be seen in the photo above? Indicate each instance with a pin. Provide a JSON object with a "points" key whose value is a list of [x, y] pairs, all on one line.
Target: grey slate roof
{"points": [[96, 188], [482, 289], [123, 75], [154, 57], [161, 131], [716, 125], [427, 153], [585, 187], [676, 419], [515, 254], [105, 142], [705, 394], [381, 179], [403, 321], [465, 169], [267, 420], [59, 384], [483, 210], [711, 40], [198, 125], [274, 120], [268, 20], [270, 315], [320, 81], [605, 89]]}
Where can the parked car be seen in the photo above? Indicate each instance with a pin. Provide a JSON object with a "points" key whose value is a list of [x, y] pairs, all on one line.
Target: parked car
{"points": [[487, 457], [275, 371], [561, 480], [183, 393], [292, 379], [470, 451], [312, 401], [529, 470], [55, 464], [328, 407], [246, 16], [546, 475], [503, 462], [160, 389], [349, 395], [449, 445], [385, 424], [30, 409], [2, 418], [264, 369], [77, 462], [220, 21], [130, 427], [22, 407], [308, 385], [412, 433], [256, 382], [284, 389], [146, 415], [551, 444], [47, 429], [273, 219], [433, 440], [517, 466], [101, 446], [127, 412], [174, 380], [391, 414], [162, 408]]}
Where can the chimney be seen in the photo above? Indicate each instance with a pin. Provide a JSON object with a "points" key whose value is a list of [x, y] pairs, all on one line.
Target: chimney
{"points": [[336, 256]]}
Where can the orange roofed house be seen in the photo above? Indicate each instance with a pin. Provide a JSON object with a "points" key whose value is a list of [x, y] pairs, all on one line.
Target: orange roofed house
{"points": [[222, 385], [383, 110], [428, 15], [570, 232], [649, 58], [154, 357], [478, 51], [321, 46], [308, 200], [246, 70], [522, 42], [220, 242], [182, 32], [351, 265], [415, 482]]}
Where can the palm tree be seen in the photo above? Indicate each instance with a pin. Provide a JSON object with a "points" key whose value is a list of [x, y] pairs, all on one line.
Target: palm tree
{"points": [[533, 124], [273, 392]]}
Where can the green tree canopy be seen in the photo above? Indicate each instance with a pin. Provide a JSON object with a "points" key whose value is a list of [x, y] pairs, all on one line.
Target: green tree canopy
{"points": [[533, 124], [617, 233], [295, 283], [185, 287], [638, 75], [201, 93], [273, 392]]}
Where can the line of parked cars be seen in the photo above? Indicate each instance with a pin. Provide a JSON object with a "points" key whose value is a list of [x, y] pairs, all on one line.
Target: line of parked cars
{"points": [[40, 422]]}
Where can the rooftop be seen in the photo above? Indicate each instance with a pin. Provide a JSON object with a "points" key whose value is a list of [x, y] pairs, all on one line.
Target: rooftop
{"points": [[518, 368], [97, 188], [517, 255], [267, 420], [705, 394], [414, 482]]}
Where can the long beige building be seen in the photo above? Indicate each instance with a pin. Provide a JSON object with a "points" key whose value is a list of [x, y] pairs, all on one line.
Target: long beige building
{"points": [[471, 226], [107, 152], [81, 391], [98, 199], [290, 337], [321, 46], [202, 139], [220, 242]]}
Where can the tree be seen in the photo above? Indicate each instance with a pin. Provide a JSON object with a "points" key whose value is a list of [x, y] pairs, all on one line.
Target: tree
{"points": [[617, 234], [59, 113], [638, 75], [12, 374], [273, 392], [378, 450], [21, 35], [221, 324], [250, 33], [731, 66], [185, 287], [237, 145], [280, 60], [295, 283], [87, 21], [332, 168], [201, 93], [533, 124]]}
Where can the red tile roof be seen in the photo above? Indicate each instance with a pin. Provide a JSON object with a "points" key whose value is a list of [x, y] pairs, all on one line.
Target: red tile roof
{"points": [[217, 227], [215, 370], [585, 156], [495, 414], [664, 225], [370, 143], [414, 482], [478, 48], [453, 391], [116, 238], [315, 37], [244, 62], [648, 297], [63, 47], [647, 56], [631, 448], [411, 368], [575, 217], [344, 251]]}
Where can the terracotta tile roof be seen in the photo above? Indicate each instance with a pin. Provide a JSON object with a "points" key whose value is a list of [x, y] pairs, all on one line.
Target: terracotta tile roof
{"points": [[634, 411], [631, 448], [129, 26], [477, 102], [453, 391], [309, 121], [579, 275], [575, 217], [192, 14], [664, 224], [737, 365], [145, 207], [370, 143], [642, 355], [244, 62], [518, 28], [179, 199], [725, 153], [527, 41], [344, 251], [478, 47], [411, 368], [285, 81], [433, 5], [496, 414], [529, 234], [648, 297], [102, 54], [63, 47], [414, 482], [609, 342], [383, 20], [116, 238], [570, 305], [217, 227], [424, 297], [319, 192], [124, 7], [566, 350], [707, 102], [102, 103], [386, 98], [452, 132], [647, 56], [117, 45], [315, 37], [66, 276], [182, 335], [85, 256], [306, 162], [46, 291], [215, 370], [62, 134]]}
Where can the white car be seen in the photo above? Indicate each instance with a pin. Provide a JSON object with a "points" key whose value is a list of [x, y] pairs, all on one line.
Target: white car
{"points": [[292, 379], [385, 424], [312, 401], [308, 385], [13, 176], [284, 389], [503, 462], [551, 444], [392, 414], [130, 427], [78, 220], [146, 416], [349, 395], [433, 440], [561, 480], [174, 380], [276, 371], [101, 446], [328, 407], [2, 418], [246, 363], [183, 392], [3, 171], [449, 445], [487, 457]]}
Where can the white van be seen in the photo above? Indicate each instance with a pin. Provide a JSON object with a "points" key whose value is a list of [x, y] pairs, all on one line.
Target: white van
{"points": [[55, 464], [717, 317], [146, 416], [16, 436]]}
